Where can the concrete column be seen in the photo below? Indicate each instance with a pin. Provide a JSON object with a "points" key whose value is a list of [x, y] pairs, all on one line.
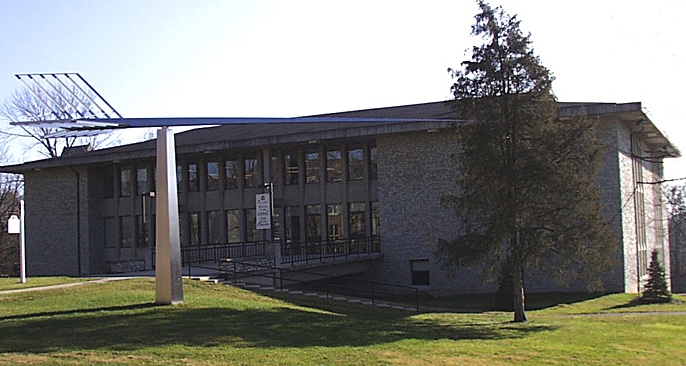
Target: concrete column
{"points": [[168, 279]]}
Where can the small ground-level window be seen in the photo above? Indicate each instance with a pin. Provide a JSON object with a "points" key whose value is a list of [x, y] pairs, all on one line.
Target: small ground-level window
{"points": [[420, 272]]}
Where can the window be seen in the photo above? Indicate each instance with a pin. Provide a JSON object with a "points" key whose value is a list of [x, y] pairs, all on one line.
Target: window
{"points": [[212, 176], [357, 219], [334, 166], [376, 218], [182, 229], [276, 226], [251, 172], [193, 184], [251, 232], [153, 184], [233, 227], [110, 232], [420, 272], [108, 183], [290, 163], [214, 235], [356, 163], [334, 221], [126, 231], [194, 226], [142, 238], [292, 224], [179, 178], [313, 223], [274, 169], [141, 181], [373, 165], [125, 183], [231, 172], [312, 167]]}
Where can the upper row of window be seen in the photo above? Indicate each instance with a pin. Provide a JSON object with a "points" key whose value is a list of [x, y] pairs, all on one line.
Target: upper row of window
{"points": [[352, 163]]}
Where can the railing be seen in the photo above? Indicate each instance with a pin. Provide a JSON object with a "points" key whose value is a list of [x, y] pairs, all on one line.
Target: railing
{"points": [[214, 252], [291, 253], [324, 283], [313, 251]]}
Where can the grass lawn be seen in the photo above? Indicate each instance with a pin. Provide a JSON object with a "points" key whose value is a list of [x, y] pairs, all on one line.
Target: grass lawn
{"points": [[116, 322]]}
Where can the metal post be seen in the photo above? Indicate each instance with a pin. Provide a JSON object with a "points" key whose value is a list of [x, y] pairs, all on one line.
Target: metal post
{"points": [[22, 244], [168, 276]]}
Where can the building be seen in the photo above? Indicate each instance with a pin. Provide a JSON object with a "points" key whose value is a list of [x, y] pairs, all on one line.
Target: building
{"points": [[338, 188]]}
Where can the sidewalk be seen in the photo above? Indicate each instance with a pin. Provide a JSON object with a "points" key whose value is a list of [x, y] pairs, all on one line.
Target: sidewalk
{"points": [[195, 272], [66, 285]]}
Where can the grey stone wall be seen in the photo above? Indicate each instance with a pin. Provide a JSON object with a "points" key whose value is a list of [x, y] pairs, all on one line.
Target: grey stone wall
{"points": [[416, 170], [95, 238], [51, 222]]}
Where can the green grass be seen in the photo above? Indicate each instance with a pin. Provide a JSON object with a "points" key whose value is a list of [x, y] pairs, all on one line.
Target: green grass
{"points": [[12, 283], [116, 323]]}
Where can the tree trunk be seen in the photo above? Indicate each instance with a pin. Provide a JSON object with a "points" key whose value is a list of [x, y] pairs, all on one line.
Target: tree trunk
{"points": [[518, 293]]}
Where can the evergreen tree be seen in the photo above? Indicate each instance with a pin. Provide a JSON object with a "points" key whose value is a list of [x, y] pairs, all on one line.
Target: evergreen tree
{"points": [[526, 194], [656, 289]]}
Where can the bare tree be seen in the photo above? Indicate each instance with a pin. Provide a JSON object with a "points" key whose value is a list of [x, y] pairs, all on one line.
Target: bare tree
{"points": [[676, 204], [11, 187], [35, 105]]}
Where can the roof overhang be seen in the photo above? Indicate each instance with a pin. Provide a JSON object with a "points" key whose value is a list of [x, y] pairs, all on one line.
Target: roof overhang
{"points": [[354, 125], [88, 127], [634, 117]]}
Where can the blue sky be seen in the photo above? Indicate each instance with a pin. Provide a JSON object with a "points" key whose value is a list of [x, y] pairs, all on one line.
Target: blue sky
{"points": [[290, 58]]}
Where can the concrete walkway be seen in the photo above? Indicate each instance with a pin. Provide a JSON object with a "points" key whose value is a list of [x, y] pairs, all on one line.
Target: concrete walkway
{"points": [[66, 285]]}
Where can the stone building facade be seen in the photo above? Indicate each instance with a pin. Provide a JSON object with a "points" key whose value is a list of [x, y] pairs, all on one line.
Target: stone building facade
{"points": [[93, 213]]}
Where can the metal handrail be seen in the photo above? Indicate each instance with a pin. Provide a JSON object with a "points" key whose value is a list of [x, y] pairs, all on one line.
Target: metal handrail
{"points": [[191, 254], [316, 250], [373, 284]]}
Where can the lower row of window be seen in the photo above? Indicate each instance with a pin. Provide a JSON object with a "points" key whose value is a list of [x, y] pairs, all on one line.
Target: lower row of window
{"points": [[308, 223]]}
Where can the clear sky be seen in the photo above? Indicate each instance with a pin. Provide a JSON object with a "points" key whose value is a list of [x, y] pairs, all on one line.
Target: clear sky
{"points": [[267, 58]]}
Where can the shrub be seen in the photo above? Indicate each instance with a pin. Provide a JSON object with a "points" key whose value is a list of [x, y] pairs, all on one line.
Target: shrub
{"points": [[656, 289]]}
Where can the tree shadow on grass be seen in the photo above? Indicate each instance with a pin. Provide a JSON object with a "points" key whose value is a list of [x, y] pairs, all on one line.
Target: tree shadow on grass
{"points": [[76, 311], [638, 301], [145, 325]]}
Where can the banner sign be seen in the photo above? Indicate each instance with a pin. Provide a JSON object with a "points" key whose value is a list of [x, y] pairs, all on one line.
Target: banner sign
{"points": [[263, 211]]}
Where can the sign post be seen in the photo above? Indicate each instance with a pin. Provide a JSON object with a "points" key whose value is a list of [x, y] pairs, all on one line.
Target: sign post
{"points": [[15, 225]]}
